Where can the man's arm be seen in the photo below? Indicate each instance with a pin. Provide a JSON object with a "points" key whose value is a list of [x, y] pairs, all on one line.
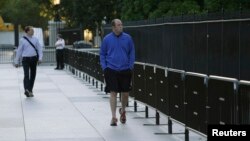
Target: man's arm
{"points": [[63, 42], [103, 54], [18, 53], [39, 51]]}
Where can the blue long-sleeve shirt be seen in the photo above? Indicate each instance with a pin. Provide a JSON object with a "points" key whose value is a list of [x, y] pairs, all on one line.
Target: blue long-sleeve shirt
{"points": [[117, 52], [25, 49]]}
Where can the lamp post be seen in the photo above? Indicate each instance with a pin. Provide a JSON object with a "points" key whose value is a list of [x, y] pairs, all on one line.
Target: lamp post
{"points": [[55, 24], [56, 4]]}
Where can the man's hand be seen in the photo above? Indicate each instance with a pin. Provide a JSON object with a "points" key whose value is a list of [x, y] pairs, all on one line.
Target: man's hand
{"points": [[39, 62]]}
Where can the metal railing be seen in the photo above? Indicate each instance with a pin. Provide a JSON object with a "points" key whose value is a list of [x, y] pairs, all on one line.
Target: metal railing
{"points": [[195, 100], [6, 53], [49, 55]]}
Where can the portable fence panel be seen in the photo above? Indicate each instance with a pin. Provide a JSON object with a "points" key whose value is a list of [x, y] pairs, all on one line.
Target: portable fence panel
{"points": [[244, 102], [91, 64], [75, 58], [78, 60], [139, 82], [92, 56], [244, 50], [162, 90], [96, 65], [131, 93], [81, 61], [150, 94], [100, 74], [222, 100], [85, 62], [196, 98], [66, 56], [88, 61], [176, 94], [230, 49], [70, 57]]}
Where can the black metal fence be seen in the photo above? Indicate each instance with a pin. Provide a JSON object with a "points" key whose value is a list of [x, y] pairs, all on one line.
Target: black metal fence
{"points": [[212, 43], [193, 99]]}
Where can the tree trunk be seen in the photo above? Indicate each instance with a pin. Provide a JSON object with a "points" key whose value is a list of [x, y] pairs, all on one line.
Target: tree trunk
{"points": [[16, 32]]}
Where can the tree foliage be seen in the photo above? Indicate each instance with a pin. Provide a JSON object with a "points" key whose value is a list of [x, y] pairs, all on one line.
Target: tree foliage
{"points": [[2, 4], [23, 12], [89, 13], [144, 9]]}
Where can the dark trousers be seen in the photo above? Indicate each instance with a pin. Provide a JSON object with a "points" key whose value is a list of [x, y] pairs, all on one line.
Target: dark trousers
{"points": [[59, 59], [29, 68]]}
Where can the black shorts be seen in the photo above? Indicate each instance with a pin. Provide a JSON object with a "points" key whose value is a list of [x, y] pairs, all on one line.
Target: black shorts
{"points": [[117, 81]]}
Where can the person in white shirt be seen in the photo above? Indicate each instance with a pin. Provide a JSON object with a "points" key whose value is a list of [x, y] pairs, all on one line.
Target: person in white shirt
{"points": [[30, 51], [60, 43]]}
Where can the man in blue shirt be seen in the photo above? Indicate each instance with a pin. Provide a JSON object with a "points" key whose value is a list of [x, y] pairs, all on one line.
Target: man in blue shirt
{"points": [[31, 53], [117, 56]]}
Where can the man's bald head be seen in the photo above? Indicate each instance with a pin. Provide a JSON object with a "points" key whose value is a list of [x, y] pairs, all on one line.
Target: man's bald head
{"points": [[117, 26]]}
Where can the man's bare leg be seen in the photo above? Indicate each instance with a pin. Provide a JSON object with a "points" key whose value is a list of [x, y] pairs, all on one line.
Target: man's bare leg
{"points": [[113, 102], [122, 110], [124, 96]]}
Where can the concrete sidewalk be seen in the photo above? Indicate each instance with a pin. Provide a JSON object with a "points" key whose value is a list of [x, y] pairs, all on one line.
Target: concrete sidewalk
{"points": [[66, 108]]}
